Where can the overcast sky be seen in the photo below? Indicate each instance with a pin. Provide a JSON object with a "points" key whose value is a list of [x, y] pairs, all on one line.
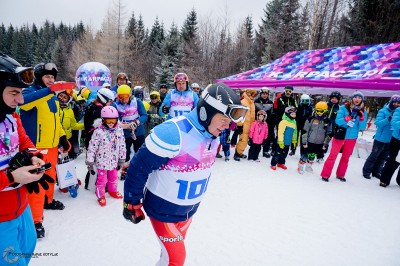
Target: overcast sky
{"points": [[92, 12]]}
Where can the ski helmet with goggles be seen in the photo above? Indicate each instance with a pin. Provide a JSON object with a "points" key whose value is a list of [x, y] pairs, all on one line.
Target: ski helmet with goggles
{"points": [[219, 98], [289, 110], [124, 90], [105, 95], [335, 94], [44, 69], [13, 74], [305, 98]]}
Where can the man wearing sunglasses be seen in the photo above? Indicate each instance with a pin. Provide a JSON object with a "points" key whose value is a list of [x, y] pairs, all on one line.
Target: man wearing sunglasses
{"points": [[40, 116], [17, 229], [163, 91], [170, 173], [181, 100]]}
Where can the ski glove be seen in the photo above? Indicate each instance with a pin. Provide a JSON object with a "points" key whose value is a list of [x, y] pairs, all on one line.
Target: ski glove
{"points": [[121, 163], [239, 130], [65, 144], [347, 118], [133, 213], [361, 115], [90, 167], [34, 186], [135, 124], [165, 109], [281, 144]]}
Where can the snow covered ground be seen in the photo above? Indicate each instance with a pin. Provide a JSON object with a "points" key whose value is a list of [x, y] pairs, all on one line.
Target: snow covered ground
{"points": [[251, 215]]}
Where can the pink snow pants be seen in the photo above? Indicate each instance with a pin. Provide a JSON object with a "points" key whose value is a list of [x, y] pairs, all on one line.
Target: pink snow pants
{"points": [[347, 146], [172, 240], [106, 177]]}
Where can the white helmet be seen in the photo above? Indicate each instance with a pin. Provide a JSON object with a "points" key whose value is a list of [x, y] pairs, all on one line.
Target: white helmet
{"points": [[305, 98], [104, 95], [195, 85]]}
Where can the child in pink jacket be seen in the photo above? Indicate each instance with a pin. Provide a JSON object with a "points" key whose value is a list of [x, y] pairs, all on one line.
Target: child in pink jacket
{"points": [[258, 135], [107, 151]]}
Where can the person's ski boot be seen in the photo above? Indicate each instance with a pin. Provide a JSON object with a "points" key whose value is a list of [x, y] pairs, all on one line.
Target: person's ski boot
{"points": [[115, 195], [309, 167], [102, 201], [73, 190], [301, 167], [54, 205], [39, 230]]}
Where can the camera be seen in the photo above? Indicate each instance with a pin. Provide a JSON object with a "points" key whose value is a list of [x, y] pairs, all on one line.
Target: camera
{"points": [[41, 169]]}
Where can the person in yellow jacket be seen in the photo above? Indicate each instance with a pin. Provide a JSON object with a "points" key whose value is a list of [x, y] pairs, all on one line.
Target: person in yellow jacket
{"points": [[40, 115], [68, 119], [248, 101]]}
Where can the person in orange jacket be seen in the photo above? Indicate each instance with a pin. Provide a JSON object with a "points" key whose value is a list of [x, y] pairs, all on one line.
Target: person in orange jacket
{"points": [[40, 115], [248, 101]]}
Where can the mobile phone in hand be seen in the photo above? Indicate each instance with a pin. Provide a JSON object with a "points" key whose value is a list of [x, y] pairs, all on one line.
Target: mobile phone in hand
{"points": [[41, 168]]}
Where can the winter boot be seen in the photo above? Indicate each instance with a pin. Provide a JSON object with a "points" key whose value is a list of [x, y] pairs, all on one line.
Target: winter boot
{"points": [[39, 230], [325, 179], [73, 190], [123, 172], [218, 155], [301, 167], [281, 166], [383, 184], [341, 178], [236, 157], [273, 167], [320, 160], [267, 155], [243, 156], [309, 166], [226, 158], [54, 205], [102, 201], [115, 195]]}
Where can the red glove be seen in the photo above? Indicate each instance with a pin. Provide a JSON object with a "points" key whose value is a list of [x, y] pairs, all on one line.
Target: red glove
{"points": [[133, 213], [361, 115], [348, 118]]}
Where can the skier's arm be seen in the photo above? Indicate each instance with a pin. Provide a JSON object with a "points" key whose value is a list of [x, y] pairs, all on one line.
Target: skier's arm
{"points": [[162, 144], [33, 97]]}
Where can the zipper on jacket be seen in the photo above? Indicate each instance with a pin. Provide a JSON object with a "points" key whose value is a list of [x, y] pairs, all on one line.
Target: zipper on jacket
{"points": [[40, 132], [55, 126]]}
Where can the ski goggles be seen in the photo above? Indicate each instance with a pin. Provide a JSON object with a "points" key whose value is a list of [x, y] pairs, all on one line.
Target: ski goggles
{"points": [[234, 112], [320, 111], [153, 96], [49, 67], [123, 96], [110, 120], [180, 77], [23, 77]]}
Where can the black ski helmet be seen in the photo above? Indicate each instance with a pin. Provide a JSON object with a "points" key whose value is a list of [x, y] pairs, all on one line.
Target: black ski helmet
{"points": [[12, 74], [336, 94], [209, 103], [44, 69]]}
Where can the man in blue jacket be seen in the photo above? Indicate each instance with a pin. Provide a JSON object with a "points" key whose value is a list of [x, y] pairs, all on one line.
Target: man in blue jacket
{"points": [[381, 146], [181, 100], [170, 173]]}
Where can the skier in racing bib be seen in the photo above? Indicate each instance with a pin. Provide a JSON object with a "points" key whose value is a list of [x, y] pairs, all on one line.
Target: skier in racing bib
{"points": [[181, 100], [174, 167]]}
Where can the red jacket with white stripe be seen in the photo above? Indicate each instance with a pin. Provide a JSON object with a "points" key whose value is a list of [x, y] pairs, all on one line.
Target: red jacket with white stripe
{"points": [[13, 201]]}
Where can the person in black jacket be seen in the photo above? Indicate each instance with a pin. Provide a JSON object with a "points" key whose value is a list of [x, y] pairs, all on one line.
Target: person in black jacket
{"points": [[333, 108], [304, 111]]}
